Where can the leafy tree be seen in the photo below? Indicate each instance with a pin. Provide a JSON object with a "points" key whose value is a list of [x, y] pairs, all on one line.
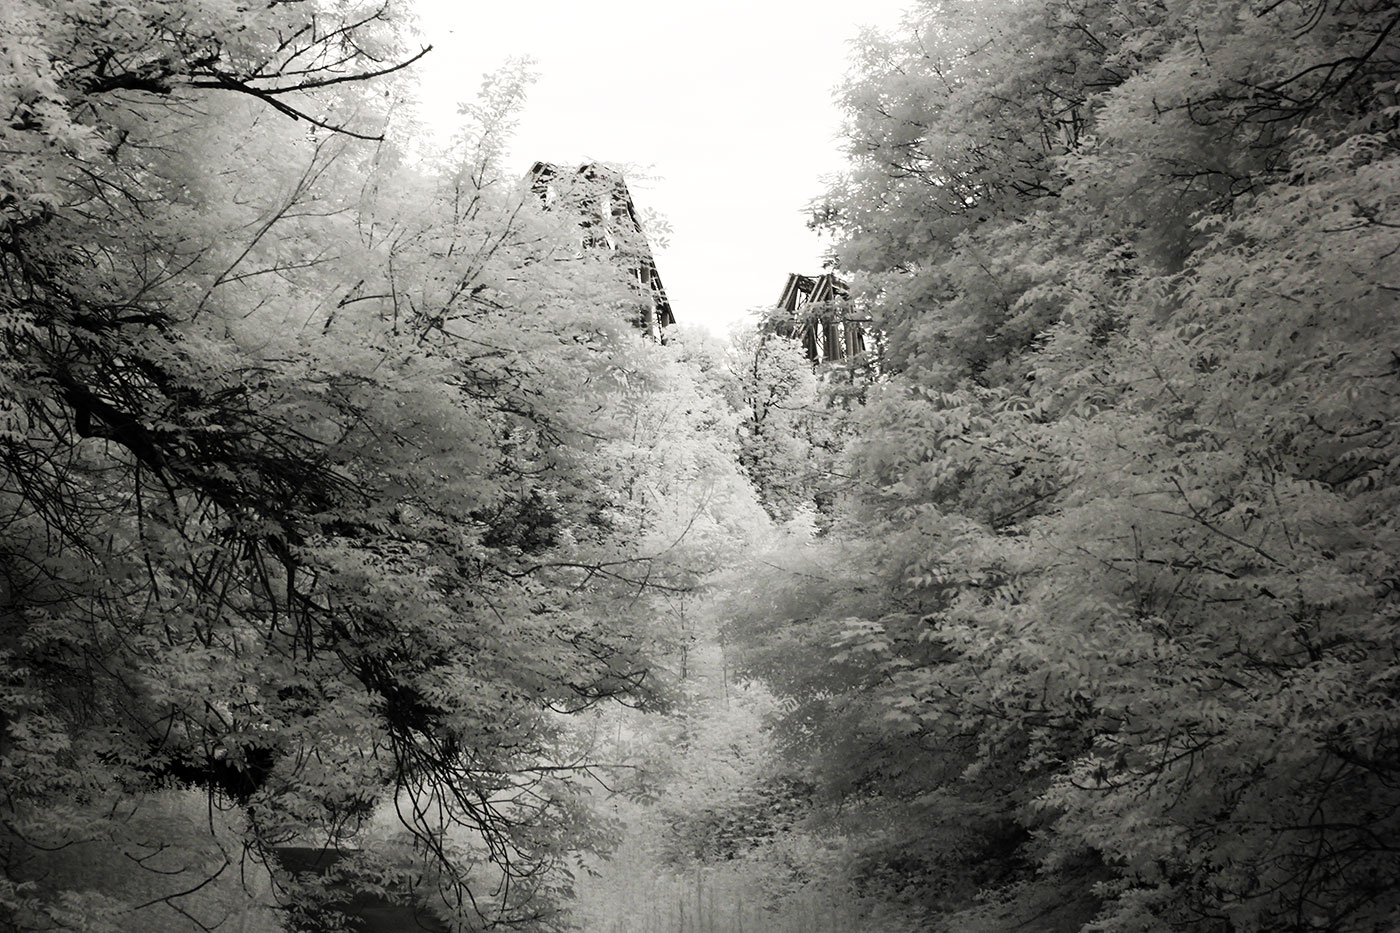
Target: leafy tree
{"points": [[1125, 511], [772, 387], [308, 508], [792, 420]]}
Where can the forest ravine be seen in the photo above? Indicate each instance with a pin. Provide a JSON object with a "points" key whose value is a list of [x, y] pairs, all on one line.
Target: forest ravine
{"points": [[344, 508]]}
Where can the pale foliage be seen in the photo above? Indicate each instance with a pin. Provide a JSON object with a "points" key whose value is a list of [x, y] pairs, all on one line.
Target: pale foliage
{"points": [[1127, 657], [309, 502]]}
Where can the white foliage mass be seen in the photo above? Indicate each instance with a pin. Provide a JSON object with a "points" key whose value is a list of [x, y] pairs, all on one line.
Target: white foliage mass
{"points": [[314, 483], [1125, 508]]}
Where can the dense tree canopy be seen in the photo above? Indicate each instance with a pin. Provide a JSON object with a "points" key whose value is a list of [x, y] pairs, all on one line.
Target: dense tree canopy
{"points": [[307, 504], [1121, 651]]}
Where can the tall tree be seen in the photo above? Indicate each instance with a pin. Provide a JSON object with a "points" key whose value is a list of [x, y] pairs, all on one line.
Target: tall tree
{"points": [[1129, 498], [305, 494]]}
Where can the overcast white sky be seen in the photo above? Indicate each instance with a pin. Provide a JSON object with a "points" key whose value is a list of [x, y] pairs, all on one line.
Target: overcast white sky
{"points": [[728, 104]]}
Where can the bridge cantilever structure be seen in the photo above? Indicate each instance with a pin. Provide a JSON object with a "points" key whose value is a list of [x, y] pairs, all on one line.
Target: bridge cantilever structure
{"points": [[811, 310]]}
